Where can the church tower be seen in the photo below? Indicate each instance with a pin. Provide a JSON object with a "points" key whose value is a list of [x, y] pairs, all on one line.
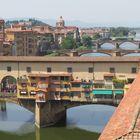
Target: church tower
{"points": [[60, 23]]}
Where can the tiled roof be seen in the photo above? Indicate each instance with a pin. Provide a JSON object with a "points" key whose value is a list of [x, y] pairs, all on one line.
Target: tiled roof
{"points": [[60, 59]]}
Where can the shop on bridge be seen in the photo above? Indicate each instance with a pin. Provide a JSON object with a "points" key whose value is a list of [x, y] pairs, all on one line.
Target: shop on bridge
{"points": [[108, 94], [9, 84]]}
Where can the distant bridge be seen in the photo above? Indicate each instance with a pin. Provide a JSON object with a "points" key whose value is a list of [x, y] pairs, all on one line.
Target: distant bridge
{"points": [[117, 43], [116, 51], [109, 52]]}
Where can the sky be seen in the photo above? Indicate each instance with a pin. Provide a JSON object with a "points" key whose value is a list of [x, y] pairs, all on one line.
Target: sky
{"points": [[123, 12]]}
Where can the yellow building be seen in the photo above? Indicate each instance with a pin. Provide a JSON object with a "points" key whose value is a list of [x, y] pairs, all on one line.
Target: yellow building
{"points": [[97, 70], [46, 86], [25, 42]]}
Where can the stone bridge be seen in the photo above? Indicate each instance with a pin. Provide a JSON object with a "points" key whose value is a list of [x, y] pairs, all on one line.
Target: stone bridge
{"points": [[125, 122], [110, 52], [117, 43], [114, 52], [54, 111]]}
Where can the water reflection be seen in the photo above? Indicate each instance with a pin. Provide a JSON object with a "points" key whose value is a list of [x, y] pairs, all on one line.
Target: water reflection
{"points": [[16, 119], [90, 117], [95, 54], [18, 123]]}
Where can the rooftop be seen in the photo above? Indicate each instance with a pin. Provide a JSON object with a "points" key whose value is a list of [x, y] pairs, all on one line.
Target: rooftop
{"points": [[61, 59]]}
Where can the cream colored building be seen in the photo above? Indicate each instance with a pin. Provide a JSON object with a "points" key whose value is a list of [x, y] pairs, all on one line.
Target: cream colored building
{"points": [[99, 70], [86, 68]]}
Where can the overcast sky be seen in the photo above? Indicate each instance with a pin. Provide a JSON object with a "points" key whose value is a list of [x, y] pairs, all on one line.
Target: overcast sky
{"points": [[95, 11]]}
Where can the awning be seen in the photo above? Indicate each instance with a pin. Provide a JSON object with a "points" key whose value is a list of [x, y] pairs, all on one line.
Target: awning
{"points": [[109, 75], [102, 92], [118, 92]]}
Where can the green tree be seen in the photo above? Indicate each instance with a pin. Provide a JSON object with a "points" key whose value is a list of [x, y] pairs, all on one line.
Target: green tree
{"points": [[119, 32], [87, 41], [96, 36], [68, 43]]}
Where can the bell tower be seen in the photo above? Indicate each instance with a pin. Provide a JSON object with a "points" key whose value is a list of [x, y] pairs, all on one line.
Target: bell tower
{"points": [[60, 22], [2, 34]]}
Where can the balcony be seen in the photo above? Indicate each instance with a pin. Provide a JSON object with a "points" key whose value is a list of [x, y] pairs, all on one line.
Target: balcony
{"points": [[55, 82], [21, 80], [76, 89], [41, 96], [54, 89]]}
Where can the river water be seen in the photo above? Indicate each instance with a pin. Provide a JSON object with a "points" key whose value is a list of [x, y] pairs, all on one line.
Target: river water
{"points": [[84, 122]]}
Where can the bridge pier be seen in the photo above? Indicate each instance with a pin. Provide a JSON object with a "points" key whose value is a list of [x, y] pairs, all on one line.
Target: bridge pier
{"points": [[139, 45], [3, 106], [98, 46], [49, 113], [117, 45]]}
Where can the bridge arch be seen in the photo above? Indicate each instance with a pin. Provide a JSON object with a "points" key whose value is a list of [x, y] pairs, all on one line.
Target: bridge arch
{"points": [[129, 41], [89, 53], [108, 45], [134, 45], [74, 105], [8, 84]]}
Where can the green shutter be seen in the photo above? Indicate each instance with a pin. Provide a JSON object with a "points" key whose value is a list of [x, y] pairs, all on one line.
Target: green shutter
{"points": [[102, 92], [118, 92]]}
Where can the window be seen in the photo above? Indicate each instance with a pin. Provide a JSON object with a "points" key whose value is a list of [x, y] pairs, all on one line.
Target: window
{"points": [[49, 69], [23, 84], [33, 85], [55, 78], [112, 70], [28, 69], [9, 69], [42, 78], [130, 80], [69, 70], [134, 70], [90, 70], [30, 51], [62, 78], [33, 78]]}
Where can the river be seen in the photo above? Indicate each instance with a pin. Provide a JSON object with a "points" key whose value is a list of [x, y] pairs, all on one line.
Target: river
{"points": [[84, 122]]}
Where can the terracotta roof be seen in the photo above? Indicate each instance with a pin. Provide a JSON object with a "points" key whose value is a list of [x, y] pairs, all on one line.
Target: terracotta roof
{"points": [[124, 118], [18, 31], [62, 59]]}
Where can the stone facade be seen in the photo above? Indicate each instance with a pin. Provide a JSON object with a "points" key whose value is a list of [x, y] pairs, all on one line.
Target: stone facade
{"points": [[124, 68]]}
